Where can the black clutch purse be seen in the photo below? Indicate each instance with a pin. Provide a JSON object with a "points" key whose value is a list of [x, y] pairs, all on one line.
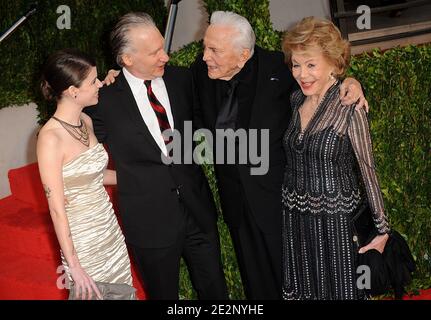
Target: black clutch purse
{"points": [[389, 270]]}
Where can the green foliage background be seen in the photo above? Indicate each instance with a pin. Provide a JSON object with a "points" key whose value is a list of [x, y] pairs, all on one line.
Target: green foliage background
{"points": [[24, 52], [398, 87], [397, 84]]}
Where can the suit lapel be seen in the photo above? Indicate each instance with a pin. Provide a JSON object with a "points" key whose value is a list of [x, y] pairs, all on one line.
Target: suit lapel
{"points": [[174, 96], [218, 84], [209, 94], [264, 72], [129, 104]]}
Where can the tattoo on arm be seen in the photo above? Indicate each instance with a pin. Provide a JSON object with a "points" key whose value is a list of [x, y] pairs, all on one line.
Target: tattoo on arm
{"points": [[47, 191]]}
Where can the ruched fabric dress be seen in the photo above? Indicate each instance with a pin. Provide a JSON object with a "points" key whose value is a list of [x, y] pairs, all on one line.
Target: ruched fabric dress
{"points": [[96, 235]]}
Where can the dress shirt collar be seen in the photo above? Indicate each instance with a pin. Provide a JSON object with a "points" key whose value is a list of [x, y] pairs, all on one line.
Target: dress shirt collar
{"points": [[135, 83]]}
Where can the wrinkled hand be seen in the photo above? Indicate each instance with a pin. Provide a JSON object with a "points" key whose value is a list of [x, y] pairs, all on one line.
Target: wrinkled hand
{"points": [[351, 92], [84, 284], [110, 77], [378, 244]]}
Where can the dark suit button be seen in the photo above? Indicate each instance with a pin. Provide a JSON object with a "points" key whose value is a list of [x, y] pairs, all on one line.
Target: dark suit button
{"points": [[177, 191]]}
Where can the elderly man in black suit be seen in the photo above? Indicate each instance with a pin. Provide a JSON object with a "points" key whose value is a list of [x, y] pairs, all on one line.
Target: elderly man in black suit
{"points": [[242, 86], [167, 209]]}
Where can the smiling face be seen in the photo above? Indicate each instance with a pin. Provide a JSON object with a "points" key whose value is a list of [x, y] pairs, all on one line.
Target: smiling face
{"points": [[223, 58], [312, 70], [147, 57], [88, 92]]}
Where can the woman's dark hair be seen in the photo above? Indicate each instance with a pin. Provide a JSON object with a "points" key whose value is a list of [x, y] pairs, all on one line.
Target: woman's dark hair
{"points": [[64, 68]]}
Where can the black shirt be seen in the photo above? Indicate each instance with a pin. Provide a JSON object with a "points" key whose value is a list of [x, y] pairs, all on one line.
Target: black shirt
{"points": [[246, 91]]}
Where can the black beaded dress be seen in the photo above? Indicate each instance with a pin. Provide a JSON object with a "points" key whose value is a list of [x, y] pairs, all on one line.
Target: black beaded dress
{"points": [[329, 172]]}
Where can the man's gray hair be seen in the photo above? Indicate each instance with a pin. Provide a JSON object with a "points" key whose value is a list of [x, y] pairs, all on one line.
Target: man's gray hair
{"points": [[245, 38], [120, 41]]}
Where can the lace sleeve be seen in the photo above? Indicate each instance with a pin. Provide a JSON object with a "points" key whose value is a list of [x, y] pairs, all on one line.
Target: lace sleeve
{"points": [[359, 135]]}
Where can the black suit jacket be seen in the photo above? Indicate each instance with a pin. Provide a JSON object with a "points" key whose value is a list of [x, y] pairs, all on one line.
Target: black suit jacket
{"points": [[270, 110], [152, 195]]}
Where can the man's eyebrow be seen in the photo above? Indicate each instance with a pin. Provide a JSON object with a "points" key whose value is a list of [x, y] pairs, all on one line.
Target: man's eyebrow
{"points": [[155, 51]]}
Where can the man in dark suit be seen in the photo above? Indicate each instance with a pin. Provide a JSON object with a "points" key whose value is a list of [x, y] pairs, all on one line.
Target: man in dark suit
{"points": [[167, 210], [242, 86]]}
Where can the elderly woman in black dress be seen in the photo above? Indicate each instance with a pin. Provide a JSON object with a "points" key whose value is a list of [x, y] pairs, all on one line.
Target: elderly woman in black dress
{"points": [[330, 171]]}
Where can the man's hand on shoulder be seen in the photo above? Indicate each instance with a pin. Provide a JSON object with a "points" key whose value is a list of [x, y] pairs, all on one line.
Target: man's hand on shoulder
{"points": [[351, 92], [110, 77]]}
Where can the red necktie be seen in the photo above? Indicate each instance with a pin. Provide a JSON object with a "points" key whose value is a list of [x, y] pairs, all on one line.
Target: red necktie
{"points": [[159, 110]]}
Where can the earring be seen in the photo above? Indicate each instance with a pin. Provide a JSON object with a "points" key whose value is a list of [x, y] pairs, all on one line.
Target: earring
{"points": [[331, 76]]}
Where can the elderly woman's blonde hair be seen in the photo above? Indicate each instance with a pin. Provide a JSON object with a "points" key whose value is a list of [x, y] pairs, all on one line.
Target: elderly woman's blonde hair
{"points": [[312, 32]]}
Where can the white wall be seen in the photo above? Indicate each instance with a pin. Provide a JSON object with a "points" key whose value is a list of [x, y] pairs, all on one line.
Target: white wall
{"points": [[190, 24], [18, 128], [285, 13]]}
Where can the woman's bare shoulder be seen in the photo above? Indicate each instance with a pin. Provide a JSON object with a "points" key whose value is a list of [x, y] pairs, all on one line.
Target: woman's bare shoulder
{"points": [[50, 134]]}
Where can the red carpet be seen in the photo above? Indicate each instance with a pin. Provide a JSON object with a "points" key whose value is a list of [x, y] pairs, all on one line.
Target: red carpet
{"points": [[29, 251], [423, 295]]}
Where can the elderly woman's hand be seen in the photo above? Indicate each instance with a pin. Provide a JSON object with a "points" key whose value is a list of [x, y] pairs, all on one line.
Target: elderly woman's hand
{"points": [[351, 92], [378, 243]]}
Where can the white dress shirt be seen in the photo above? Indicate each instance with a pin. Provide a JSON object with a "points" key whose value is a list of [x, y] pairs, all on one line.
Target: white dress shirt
{"points": [[139, 91]]}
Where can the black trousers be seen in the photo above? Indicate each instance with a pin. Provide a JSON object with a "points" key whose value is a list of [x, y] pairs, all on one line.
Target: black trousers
{"points": [[160, 267], [259, 259]]}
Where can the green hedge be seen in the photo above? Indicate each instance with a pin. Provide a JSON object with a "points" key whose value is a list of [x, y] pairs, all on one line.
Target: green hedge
{"points": [[398, 88], [397, 85], [25, 50]]}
